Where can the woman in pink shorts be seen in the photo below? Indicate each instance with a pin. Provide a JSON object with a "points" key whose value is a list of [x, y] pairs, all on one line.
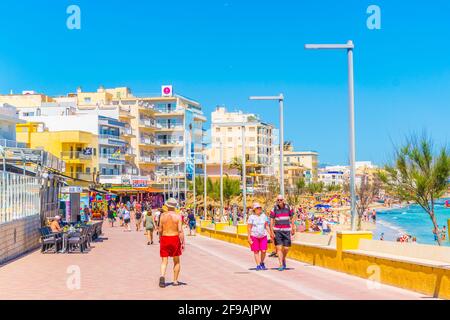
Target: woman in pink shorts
{"points": [[257, 230]]}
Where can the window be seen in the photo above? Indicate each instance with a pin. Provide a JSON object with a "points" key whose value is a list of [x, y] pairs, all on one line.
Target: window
{"points": [[87, 99], [217, 129], [230, 129]]}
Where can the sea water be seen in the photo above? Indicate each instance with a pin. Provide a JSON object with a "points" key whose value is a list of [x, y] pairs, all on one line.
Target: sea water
{"points": [[412, 220]]}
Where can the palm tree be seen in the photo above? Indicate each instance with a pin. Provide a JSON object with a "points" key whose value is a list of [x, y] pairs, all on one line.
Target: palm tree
{"points": [[236, 163], [315, 187], [231, 188], [419, 175]]}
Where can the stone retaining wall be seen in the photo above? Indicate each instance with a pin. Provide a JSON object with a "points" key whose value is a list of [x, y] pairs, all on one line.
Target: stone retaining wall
{"points": [[18, 237]]}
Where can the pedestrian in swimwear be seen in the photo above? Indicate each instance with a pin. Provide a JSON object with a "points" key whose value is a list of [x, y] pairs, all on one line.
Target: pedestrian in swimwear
{"points": [[171, 241], [257, 230]]}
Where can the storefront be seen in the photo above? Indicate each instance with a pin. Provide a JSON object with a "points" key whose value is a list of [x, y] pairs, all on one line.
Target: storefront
{"points": [[136, 188]]}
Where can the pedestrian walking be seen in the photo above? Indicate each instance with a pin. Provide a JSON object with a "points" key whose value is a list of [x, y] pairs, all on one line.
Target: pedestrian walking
{"points": [[171, 241], [120, 213], [149, 225], [282, 227], [111, 215], [138, 217], [257, 230], [192, 223], [126, 219]]}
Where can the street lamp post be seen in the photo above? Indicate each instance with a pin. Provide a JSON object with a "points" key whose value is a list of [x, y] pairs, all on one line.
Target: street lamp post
{"points": [[193, 186], [221, 178], [280, 100], [204, 186], [349, 46], [244, 175]]}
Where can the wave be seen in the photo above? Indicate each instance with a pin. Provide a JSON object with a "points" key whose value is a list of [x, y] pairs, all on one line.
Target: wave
{"points": [[392, 226]]}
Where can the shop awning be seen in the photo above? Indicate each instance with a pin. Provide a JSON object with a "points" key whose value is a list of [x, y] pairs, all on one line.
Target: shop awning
{"points": [[136, 190]]}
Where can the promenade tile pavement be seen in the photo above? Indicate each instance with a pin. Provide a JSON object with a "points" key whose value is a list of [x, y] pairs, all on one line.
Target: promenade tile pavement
{"points": [[122, 266]]}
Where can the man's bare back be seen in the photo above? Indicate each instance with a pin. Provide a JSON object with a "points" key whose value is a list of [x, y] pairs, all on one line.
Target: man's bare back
{"points": [[170, 224]]}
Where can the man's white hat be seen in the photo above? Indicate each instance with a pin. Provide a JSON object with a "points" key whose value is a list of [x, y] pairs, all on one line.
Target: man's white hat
{"points": [[171, 203]]}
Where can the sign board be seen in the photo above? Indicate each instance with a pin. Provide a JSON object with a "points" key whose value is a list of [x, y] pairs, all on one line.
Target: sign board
{"points": [[139, 183], [166, 91], [72, 189]]}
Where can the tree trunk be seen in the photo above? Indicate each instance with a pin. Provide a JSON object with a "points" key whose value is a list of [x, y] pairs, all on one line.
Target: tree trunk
{"points": [[436, 227]]}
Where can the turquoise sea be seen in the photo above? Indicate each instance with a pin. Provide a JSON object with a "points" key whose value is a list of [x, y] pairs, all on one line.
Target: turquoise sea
{"points": [[411, 220]]}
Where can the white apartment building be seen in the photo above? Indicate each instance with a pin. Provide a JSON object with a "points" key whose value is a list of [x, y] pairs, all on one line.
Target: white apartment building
{"points": [[8, 121], [226, 135]]}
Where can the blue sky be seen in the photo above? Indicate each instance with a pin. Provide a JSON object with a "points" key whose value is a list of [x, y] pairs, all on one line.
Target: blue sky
{"points": [[220, 52]]}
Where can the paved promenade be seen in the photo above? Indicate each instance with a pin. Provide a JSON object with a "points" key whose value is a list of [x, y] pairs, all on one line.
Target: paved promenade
{"points": [[122, 266]]}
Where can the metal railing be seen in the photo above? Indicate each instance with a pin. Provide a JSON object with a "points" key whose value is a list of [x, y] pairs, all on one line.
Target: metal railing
{"points": [[148, 123], [150, 159], [19, 196], [11, 144], [112, 156], [148, 141], [109, 136], [170, 142], [75, 155]]}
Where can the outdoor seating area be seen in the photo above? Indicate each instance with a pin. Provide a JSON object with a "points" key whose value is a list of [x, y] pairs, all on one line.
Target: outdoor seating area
{"points": [[74, 237]]}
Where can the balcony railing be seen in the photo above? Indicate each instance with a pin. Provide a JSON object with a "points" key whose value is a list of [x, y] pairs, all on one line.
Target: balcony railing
{"points": [[148, 141], [76, 155], [112, 156], [170, 158], [148, 124], [149, 159], [85, 176], [109, 136], [11, 144], [171, 142], [127, 131], [166, 126], [169, 111]]}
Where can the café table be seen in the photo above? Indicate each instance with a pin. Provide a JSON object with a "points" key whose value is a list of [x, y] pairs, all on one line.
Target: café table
{"points": [[65, 236]]}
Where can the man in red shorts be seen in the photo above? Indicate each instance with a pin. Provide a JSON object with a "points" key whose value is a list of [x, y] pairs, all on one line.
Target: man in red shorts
{"points": [[171, 241]]}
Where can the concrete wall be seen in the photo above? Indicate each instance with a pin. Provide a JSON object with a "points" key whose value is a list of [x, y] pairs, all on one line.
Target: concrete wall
{"points": [[18, 237]]}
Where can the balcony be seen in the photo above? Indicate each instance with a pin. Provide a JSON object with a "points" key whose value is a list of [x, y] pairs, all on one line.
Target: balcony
{"points": [[127, 133], [85, 176], [170, 159], [12, 144], [146, 106], [107, 139], [112, 158], [171, 127], [75, 155], [147, 159], [148, 124], [170, 143], [125, 112], [130, 152], [147, 141], [169, 112]]}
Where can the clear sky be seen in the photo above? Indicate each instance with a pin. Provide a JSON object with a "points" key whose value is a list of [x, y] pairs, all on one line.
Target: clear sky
{"points": [[220, 52]]}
